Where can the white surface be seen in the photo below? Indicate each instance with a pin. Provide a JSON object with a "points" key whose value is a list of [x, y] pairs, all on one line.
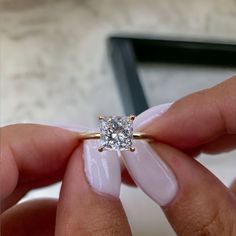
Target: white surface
{"points": [[54, 68], [164, 83]]}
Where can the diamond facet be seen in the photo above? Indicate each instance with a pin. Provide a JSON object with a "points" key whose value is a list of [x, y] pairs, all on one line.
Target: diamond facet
{"points": [[116, 132]]}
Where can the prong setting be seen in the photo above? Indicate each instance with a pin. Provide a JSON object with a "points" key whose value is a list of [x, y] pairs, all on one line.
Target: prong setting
{"points": [[101, 117], [116, 132], [132, 117], [132, 149], [101, 149]]}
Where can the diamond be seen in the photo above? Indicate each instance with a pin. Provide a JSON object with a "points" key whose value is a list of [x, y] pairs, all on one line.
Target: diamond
{"points": [[116, 132]]}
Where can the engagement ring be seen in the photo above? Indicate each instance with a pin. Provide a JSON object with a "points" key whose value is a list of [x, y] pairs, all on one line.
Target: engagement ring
{"points": [[116, 133]]}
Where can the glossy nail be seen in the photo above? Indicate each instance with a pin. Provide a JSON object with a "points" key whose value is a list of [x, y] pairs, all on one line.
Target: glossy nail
{"points": [[146, 167], [150, 114], [102, 169], [150, 173]]}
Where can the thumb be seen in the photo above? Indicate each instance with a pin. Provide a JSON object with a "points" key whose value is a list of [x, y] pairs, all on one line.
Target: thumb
{"points": [[198, 205], [91, 205], [203, 205]]}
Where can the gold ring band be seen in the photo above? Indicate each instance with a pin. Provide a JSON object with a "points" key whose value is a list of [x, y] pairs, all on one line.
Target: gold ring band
{"points": [[116, 133], [97, 135]]}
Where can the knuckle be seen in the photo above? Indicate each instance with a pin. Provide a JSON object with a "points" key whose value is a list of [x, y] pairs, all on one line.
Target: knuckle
{"points": [[110, 222], [217, 224], [211, 227]]}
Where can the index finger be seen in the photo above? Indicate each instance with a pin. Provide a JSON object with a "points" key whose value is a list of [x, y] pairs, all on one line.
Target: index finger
{"points": [[198, 118], [33, 154]]}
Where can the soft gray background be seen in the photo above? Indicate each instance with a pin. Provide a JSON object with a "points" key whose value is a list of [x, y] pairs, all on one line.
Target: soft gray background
{"points": [[54, 69]]}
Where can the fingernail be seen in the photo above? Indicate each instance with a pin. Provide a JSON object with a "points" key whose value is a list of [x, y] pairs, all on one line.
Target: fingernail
{"points": [[146, 167], [150, 173], [102, 169], [147, 116]]}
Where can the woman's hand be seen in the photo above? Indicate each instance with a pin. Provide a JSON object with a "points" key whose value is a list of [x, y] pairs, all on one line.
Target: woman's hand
{"points": [[33, 156], [193, 199]]}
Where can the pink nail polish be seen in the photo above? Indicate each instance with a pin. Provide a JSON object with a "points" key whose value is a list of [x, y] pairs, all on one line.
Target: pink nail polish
{"points": [[150, 173], [102, 169], [145, 166], [150, 114]]}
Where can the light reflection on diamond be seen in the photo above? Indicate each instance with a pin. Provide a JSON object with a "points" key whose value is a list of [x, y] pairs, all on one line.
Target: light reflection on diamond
{"points": [[116, 132]]}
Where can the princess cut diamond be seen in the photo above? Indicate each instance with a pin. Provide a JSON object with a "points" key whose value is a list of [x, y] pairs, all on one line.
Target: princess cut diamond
{"points": [[116, 132]]}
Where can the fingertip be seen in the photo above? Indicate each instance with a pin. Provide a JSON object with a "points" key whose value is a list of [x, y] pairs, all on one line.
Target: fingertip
{"points": [[33, 153], [102, 169], [201, 201], [195, 119], [35, 217], [83, 206], [150, 115]]}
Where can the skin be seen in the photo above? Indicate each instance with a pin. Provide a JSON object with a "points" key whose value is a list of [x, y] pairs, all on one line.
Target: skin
{"points": [[33, 156]]}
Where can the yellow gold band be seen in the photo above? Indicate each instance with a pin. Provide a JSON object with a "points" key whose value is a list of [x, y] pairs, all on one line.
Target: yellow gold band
{"points": [[97, 135]]}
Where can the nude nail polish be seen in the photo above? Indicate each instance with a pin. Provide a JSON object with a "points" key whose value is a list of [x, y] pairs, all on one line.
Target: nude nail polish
{"points": [[150, 114], [102, 169], [150, 173], [146, 167]]}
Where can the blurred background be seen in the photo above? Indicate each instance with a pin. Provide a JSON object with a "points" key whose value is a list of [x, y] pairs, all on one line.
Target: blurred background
{"points": [[55, 69]]}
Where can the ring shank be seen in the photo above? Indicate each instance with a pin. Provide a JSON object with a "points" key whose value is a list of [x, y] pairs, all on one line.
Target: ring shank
{"points": [[136, 136]]}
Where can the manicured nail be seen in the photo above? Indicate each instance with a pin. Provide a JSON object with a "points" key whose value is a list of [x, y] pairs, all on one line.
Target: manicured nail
{"points": [[147, 116], [146, 167], [150, 173], [102, 169]]}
